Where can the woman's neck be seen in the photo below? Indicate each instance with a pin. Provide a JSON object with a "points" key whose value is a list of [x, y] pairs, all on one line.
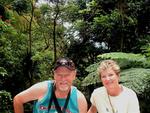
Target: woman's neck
{"points": [[115, 91]]}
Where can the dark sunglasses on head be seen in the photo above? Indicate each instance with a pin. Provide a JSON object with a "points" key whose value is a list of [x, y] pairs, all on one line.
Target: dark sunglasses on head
{"points": [[65, 62]]}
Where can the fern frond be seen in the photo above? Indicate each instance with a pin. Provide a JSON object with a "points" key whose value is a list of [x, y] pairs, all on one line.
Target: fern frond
{"points": [[136, 79], [91, 79], [121, 55]]}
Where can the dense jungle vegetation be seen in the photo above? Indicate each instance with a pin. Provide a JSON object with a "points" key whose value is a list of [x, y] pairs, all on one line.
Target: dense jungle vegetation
{"points": [[34, 33]]}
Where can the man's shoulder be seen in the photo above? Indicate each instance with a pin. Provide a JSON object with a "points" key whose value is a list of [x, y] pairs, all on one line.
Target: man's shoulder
{"points": [[43, 88], [43, 85], [82, 103], [80, 95]]}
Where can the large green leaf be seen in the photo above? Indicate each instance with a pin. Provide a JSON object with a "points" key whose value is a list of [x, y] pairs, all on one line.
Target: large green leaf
{"points": [[136, 79], [91, 79], [121, 55], [92, 67], [133, 73]]}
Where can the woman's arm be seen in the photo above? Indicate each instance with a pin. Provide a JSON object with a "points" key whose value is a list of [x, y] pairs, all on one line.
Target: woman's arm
{"points": [[92, 109]]}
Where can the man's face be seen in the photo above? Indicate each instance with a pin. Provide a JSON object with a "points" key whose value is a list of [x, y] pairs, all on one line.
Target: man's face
{"points": [[64, 78]]}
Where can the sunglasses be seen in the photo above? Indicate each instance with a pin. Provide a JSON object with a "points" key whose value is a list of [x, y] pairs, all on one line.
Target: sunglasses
{"points": [[65, 62]]}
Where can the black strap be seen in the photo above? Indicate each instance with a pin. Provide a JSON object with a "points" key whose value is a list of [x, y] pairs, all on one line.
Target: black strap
{"points": [[53, 97], [66, 102], [57, 104]]}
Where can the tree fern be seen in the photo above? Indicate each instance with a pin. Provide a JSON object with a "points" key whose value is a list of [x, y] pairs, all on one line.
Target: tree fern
{"points": [[136, 79], [121, 55], [91, 79], [133, 73]]}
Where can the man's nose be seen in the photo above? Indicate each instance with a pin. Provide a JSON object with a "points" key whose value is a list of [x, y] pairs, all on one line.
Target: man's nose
{"points": [[63, 76]]}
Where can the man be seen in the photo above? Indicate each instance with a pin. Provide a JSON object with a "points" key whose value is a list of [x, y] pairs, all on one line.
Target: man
{"points": [[58, 96]]}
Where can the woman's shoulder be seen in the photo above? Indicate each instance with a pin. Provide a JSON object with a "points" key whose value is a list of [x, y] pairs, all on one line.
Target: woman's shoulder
{"points": [[99, 91], [128, 91]]}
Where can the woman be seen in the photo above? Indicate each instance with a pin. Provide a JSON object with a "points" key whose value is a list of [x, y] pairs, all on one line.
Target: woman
{"points": [[112, 97]]}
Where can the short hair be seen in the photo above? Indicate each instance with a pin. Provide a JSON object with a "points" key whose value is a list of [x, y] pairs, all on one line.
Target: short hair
{"points": [[106, 64]]}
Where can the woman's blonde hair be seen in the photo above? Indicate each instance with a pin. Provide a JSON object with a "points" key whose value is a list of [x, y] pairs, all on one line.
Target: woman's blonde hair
{"points": [[105, 64]]}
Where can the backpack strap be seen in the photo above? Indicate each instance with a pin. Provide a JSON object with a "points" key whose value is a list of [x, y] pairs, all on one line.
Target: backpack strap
{"points": [[51, 98], [58, 108]]}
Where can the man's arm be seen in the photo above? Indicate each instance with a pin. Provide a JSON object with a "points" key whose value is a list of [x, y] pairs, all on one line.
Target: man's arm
{"points": [[18, 104], [35, 92], [82, 103]]}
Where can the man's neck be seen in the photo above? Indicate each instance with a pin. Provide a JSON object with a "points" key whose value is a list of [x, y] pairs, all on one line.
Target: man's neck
{"points": [[61, 94]]}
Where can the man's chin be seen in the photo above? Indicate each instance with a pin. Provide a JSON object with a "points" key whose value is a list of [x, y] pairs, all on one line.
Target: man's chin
{"points": [[64, 89]]}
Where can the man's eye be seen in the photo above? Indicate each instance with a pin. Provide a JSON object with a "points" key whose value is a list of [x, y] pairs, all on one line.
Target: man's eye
{"points": [[58, 75]]}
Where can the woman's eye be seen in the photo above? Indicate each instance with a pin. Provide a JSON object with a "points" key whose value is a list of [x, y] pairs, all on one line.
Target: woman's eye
{"points": [[103, 76], [110, 75]]}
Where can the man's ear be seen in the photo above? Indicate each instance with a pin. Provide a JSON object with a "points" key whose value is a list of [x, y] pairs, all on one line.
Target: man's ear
{"points": [[75, 74]]}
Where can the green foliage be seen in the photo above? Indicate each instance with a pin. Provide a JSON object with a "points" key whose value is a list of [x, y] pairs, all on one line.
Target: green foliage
{"points": [[136, 79], [3, 72], [45, 61], [71, 11], [135, 74], [6, 2], [146, 47], [21, 6], [44, 9], [10, 45], [102, 21], [121, 55], [127, 60], [6, 28], [91, 79], [6, 102], [111, 23], [131, 75], [93, 27], [92, 67], [80, 24]]}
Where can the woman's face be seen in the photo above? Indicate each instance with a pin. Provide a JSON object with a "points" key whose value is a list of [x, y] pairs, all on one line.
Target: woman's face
{"points": [[109, 78]]}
